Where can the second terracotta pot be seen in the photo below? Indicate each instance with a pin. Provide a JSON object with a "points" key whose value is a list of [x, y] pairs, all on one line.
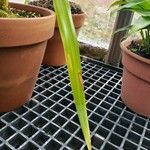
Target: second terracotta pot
{"points": [[54, 55]]}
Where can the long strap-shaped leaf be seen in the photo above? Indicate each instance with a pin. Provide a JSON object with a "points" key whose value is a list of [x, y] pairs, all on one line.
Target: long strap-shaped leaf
{"points": [[72, 55]]}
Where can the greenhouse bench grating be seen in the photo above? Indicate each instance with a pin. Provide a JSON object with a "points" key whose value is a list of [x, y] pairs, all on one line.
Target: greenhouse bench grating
{"points": [[49, 120]]}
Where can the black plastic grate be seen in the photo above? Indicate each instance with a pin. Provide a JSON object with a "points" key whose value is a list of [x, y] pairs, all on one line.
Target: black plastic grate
{"points": [[49, 120]]}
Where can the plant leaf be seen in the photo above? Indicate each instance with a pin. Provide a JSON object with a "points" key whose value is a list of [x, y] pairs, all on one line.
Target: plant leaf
{"points": [[140, 23], [72, 56]]}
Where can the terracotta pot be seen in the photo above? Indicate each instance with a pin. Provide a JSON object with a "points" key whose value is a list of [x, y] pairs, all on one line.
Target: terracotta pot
{"points": [[54, 55], [135, 90], [22, 46]]}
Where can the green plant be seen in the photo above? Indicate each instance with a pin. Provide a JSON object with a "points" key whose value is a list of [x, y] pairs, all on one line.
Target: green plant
{"points": [[72, 56], [142, 23]]}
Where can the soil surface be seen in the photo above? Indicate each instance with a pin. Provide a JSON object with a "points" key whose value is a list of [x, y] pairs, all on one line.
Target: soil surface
{"points": [[24, 14], [75, 8], [139, 50]]}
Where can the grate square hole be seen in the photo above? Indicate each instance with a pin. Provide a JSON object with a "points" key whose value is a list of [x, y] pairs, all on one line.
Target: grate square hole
{"points": [[31, 104], [129, 146], [47, 93], [102, 132], [39, 109], [39, 89], [30, 116], [61, 85], [114, 95], [90, 91], [55, 97], [120, 104], [2, 124], [29, 131], [53, 145], [105, 105], [97, 141], [67, 113], [29, 146], [5, 147], [136, 128], [40, 138], [40, 122], [116, 110], [120, 130], [71, 127], [51, 129], [72, 107], [79, 134], [62, 136], [54, 88], [49, 114], [115, 139], [68, 88], [70, 97], [48, 103], [95, 100], [17, 141], [109, 147], [95, 87], [21, 110], [7, 133], [107, 87], [146, 143], [128, 115], [19, 124], [101, 111], [66, 81], [57, 108], [46, 85], [140, 121], [60, 121], [64, 102], [95, 118], [107, 124], [62, 92], [75, 143], [112, 117], [91, 106], [103, 91], [124, 122], [92, 125], [134, 137], [99, 96], [117, 91], [40, 98], [9, 117], [110, 100], [147, 134]]}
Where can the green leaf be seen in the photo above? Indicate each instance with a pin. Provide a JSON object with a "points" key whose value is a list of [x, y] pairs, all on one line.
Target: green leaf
{"points": [[72, 55], [139, 24]]}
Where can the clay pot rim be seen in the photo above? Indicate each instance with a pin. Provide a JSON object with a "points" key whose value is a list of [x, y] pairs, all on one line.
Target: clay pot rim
{"points": [[124, 44], [74, 16], [50, 13]]}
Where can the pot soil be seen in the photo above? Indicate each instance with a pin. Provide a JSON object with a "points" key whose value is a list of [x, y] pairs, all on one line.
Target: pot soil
{"points": [[54, 55], [22, 46], [135, 90]]}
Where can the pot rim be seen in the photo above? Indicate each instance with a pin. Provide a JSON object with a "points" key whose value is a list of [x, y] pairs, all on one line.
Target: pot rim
{"points": [[124, 44], [50, 13]]}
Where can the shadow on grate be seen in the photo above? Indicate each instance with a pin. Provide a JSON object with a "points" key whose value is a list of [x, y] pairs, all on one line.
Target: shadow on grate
{"points": [[49, 120]]}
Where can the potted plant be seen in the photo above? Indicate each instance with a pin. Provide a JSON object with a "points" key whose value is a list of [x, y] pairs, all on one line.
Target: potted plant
{"points": [[54, 55], [135, 91], [24, 33]]}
